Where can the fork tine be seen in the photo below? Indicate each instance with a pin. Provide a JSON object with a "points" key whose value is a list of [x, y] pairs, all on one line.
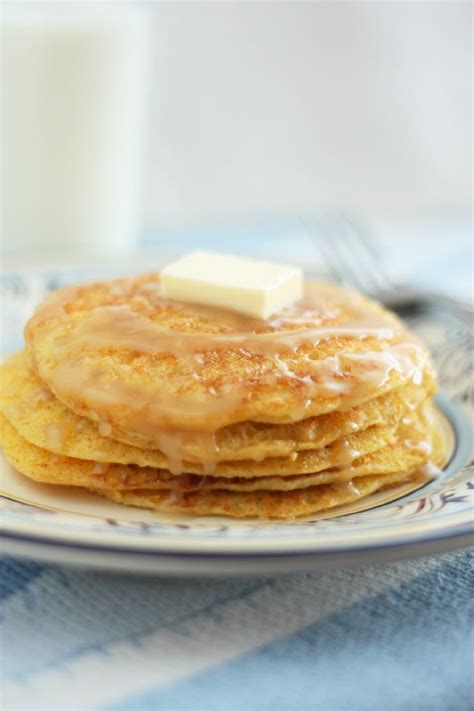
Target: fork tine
{"points": [[368, 254], [342, 251], [367, 267], [350, 257], [329, 255], [327, 244], [364, 235]]}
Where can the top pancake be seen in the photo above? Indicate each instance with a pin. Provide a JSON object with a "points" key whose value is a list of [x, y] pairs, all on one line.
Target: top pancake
{"points": [[118, 354]]}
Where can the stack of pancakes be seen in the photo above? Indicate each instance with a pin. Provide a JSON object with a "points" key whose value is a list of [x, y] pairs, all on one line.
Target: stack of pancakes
{"points": [[181, 407]]}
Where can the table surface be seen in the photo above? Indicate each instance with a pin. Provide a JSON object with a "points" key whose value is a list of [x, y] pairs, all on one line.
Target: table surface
{"points": [[395, 636]]}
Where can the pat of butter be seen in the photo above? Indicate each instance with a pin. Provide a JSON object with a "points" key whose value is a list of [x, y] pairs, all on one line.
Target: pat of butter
{"points": [[250, 286]]}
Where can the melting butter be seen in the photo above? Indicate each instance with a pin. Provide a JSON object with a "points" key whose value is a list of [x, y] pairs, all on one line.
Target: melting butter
{"points": [[250, 286]]}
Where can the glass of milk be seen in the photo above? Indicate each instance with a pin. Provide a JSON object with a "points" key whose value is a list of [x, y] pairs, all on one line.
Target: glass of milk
{"points": [[74, 92]]}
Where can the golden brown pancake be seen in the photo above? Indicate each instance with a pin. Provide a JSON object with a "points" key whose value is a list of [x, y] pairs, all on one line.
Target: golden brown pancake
{"points": [[259, 504], [336, 454], [117, 353], [45, 421], [200, 410], [43, 466]]}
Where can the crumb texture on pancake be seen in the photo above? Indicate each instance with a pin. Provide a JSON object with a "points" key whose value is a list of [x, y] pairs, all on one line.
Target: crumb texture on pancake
{"points": [[117, 352], [45, 421], [180, 407], [260, 504], [43, 466]]}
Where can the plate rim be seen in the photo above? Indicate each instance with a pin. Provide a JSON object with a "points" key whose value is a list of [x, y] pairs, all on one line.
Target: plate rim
{"points": [[450, 525], [466, 529], [435, 528]]}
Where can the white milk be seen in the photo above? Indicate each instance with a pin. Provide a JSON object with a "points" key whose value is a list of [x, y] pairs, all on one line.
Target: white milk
{"points": [[73, 110]]}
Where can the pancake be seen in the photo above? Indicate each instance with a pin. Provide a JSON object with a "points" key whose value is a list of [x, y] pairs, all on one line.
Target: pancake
{"points": [[337, 454], [45, 421], [118, 354], [195, 409], [286, 505], [43, 466]]}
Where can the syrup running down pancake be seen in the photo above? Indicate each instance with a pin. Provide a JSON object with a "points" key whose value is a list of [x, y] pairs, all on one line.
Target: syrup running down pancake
{"points": [[186, 407]]}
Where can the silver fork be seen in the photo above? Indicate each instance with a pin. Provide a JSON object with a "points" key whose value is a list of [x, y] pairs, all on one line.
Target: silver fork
{"points": [[351, 258]]}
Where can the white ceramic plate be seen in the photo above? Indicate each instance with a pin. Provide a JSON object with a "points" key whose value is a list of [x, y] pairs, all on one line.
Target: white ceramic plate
{"points": [[71, 526]]}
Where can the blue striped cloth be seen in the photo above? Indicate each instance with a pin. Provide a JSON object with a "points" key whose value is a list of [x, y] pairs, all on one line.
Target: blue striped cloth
{"points": [[393, 637]]}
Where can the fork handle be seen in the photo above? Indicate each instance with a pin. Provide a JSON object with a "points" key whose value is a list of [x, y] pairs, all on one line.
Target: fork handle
{"points": [[411, 301]]}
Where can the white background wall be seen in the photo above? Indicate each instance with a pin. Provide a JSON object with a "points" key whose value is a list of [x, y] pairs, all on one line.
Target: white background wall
{"points": [[281, 108]]}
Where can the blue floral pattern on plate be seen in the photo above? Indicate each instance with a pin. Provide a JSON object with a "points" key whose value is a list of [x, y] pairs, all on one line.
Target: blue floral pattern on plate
{"points": [[441, 509]]}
